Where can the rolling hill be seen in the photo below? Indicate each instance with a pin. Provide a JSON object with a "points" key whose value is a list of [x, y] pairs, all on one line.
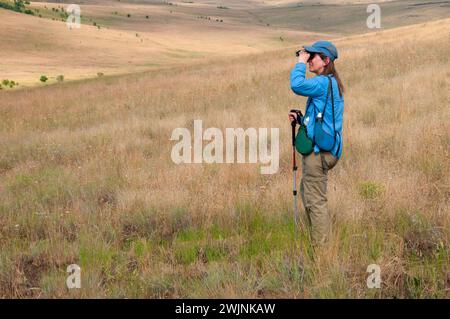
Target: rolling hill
{"points": [[127, 37]]}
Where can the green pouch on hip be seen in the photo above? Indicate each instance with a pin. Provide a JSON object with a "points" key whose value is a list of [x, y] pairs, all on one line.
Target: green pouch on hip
{"points": [[303, 144]]}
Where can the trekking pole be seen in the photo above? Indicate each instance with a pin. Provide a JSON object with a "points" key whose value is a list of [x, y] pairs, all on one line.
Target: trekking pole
{"points": [[294, 170]]}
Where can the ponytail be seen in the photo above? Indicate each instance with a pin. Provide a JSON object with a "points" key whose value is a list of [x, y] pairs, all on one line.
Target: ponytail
{"points": [[330, 69]]}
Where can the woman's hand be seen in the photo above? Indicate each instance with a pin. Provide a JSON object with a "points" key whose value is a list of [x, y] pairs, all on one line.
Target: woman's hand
{"points": [[303, 57], [292, 116]]}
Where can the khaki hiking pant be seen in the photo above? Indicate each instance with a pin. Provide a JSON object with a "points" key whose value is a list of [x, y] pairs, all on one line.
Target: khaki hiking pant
{"points": [[313, 189]]}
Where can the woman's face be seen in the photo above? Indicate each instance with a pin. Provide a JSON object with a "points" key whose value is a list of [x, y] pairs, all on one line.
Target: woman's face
{"points": [[316, 64]]}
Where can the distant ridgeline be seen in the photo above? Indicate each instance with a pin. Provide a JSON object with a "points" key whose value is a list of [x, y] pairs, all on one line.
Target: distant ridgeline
{"points": [[16, 5]]}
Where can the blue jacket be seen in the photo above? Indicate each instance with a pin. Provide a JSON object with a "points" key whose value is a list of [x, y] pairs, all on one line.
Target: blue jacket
{"points": [[316, 91]]}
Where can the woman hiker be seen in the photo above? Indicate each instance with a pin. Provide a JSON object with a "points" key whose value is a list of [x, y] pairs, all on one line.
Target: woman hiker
{"points": [[326, 146]]}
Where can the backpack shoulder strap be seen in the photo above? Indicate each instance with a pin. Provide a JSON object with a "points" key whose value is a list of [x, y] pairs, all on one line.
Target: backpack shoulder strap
{"points": [[332, 110], [330, 87]]}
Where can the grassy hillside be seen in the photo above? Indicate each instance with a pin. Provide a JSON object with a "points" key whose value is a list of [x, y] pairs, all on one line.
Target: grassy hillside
{"points": [[87, 178], [341, 17], [126, 36], [33, 46]]}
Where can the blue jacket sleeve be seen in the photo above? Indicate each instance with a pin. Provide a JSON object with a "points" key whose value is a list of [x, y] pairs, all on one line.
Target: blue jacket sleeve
{"points": [[307, 87]]}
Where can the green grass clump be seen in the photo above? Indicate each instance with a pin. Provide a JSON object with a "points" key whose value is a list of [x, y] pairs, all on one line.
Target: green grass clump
{"points": [[370, 190]]}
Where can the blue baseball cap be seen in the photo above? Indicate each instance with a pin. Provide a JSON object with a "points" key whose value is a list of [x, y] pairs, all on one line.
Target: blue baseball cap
{"points": [[324, 47]]}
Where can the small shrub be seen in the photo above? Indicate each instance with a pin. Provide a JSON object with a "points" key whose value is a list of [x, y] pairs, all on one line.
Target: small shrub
{"points": [[8, 83], [100, 74], [43, 78], [60, 78]]}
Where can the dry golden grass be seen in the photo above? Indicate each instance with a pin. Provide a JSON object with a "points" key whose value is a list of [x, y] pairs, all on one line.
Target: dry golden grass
{"points": [[86, 178]]}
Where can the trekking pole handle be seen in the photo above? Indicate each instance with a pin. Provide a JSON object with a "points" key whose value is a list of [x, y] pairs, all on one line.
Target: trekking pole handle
{"points": [[294, 122], [299, 115], [293, 125]]}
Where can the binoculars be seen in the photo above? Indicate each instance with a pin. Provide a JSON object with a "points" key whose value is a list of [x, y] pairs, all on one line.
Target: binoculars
{"points": [[297, 53], [311, 55]]}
